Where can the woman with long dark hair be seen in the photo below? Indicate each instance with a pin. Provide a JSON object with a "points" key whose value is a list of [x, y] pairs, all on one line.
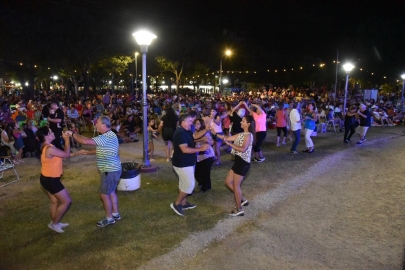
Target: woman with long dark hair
{"points": [[205, 158], [350, 121], [242, 149], [167, 126], [51, 172]]}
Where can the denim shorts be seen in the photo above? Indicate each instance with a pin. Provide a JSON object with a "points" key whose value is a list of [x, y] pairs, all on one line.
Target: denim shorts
{"points": [[109, 181]]}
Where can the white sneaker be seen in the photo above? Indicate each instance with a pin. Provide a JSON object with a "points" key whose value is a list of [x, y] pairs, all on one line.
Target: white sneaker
{"points": [[55, 227], [63, 225]]}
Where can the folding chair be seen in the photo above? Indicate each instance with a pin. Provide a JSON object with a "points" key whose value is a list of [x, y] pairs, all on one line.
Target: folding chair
{"points": [[5, 164]]}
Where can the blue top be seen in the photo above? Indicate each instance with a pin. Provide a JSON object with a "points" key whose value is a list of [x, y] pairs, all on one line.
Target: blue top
{"points": [[310, 123], [180, 159]]}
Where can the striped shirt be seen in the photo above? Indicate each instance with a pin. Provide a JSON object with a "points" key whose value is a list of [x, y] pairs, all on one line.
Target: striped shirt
{"points": [[108, 159]]}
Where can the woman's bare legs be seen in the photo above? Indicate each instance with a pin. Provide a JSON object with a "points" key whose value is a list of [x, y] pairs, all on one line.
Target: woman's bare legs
{"points": [[58, 210], [233, 181]]}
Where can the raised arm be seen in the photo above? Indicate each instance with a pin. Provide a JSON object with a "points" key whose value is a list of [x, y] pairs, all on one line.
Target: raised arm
{"points": [[247, 107], [55, 152]]}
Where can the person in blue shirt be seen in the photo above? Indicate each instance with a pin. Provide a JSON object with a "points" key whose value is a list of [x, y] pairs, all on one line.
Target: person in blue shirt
{"points": [[310, 120]]}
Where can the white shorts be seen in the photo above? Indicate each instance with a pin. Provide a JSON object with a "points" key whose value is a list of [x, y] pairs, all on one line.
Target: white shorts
{"points": [[362, 130], [186, 178]]}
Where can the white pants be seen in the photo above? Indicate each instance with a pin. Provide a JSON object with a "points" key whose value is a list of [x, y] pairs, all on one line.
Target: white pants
{"points": [[308, 140]]}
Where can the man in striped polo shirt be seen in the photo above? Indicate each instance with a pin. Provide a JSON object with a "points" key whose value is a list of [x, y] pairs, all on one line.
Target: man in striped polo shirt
{"points": [[109, 165]]}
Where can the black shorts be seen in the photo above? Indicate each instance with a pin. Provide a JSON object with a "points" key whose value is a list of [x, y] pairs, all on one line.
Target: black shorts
{"points": [[51, 184], [167, 134], [240, 166]]}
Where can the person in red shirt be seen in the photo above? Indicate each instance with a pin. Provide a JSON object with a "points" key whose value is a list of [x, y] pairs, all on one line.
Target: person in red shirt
{"points": [[79, 107]]}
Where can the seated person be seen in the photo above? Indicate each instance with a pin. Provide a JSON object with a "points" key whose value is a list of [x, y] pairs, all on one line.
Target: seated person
{"points": [[30, 142], [121, 138], [336, 120], [130, 126], [73, 114], [88, 115], [384, 117], [375, 115]]}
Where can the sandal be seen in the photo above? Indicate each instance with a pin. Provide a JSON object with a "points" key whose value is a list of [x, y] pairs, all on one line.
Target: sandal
{"points": [[216, 164]]}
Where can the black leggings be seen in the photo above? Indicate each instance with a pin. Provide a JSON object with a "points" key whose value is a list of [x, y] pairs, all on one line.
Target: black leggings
{"points": [[348, 127], [260, 136], [283, 129], [202, 173]]}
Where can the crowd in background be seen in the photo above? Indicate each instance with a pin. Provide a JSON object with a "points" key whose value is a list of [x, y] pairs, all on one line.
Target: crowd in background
{"points": [[20, 118]]}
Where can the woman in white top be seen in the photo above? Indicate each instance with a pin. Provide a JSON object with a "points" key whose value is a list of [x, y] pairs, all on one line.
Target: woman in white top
{"points": [[242, 149], [6, 140]]}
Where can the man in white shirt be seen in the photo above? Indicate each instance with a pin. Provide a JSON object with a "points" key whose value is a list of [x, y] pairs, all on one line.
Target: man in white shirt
{"points": [[295, 120]]}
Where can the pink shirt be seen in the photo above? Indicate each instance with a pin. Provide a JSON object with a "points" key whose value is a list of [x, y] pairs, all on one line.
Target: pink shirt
{"points": [[281, 122], [260, 120]]}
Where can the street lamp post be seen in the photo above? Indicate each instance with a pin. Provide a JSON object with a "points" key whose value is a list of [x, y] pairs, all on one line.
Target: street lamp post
{"points": [[136, 70], [144, 38], [227, 53], [347, 67], [402, 95]]}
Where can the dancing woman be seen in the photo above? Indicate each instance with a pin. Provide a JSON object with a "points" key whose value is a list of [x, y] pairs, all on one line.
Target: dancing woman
{"points": [[51, 172], [242, 149]]}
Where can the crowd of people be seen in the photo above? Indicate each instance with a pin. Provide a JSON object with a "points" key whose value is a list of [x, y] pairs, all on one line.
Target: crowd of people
{"points": [[196, 129]]}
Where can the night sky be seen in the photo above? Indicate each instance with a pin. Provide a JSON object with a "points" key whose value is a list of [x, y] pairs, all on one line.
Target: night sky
{"points": [[263, 34]]}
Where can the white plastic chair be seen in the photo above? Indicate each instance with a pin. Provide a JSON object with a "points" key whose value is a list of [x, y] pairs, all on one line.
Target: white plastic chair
{"points": [[331, 123]]}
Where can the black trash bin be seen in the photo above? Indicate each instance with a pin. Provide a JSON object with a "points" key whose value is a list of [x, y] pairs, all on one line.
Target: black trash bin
{"points": [[130, 177]]}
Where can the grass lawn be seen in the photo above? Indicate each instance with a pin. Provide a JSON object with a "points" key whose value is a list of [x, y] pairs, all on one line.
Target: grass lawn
{"points": [[148, 227]]}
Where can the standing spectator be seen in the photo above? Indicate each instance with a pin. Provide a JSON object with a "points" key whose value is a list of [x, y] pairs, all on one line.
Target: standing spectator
{"points": [[184, 158], [109, 165], [281, 124], [55, 119], [51, 173], [151, 135], [242, 149], [167, 126], [295, 120], [365, 122], [261, 130], [310, 124], [350, 120], [106, 99]]}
